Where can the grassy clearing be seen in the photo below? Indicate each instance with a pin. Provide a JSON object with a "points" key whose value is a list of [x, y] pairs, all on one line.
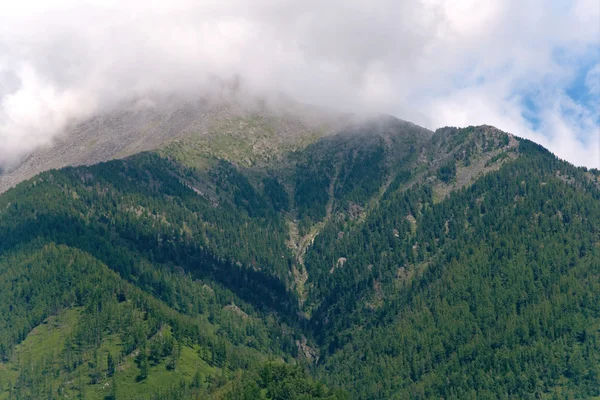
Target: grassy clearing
{"points": [[44, 343]]}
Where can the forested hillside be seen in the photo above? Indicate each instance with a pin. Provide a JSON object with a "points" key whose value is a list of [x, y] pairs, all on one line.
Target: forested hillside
{"points": [[492, 293], [383, 262]]}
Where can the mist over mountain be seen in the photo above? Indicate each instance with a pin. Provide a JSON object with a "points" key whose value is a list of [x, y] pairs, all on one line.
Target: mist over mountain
{"points": [[156, 119]]}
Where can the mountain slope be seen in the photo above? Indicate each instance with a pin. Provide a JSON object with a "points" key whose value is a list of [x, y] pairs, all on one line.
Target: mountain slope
{"points": [[98, 318], [390, 261], [493, 293]]}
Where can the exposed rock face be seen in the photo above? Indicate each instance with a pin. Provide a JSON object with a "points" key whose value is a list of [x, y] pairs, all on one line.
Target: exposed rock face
{"points": [[339, 264], [310, 354]]}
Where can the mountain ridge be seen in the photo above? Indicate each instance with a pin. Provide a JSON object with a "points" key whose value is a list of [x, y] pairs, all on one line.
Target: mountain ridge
{"points": [[154, 121]]}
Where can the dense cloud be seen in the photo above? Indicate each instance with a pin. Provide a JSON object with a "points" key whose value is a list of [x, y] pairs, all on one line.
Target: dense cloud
{"points": [[528, 67]]}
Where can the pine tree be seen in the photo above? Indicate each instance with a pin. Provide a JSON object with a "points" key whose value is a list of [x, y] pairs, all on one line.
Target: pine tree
{"points": [[110, 369], [142, 361]]}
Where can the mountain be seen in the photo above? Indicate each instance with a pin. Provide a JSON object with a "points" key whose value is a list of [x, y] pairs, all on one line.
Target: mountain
{"points": [[258, 254]]}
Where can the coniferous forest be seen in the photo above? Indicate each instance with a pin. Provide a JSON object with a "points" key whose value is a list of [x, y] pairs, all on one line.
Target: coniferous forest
{"points": [[387, 262]]}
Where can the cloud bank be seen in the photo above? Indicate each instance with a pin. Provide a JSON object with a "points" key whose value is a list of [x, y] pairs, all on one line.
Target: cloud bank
{"points": [[529, 67]]}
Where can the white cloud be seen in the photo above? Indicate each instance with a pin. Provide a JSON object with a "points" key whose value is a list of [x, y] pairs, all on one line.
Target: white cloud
{"points": [[34, 112], [435, 62]]}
